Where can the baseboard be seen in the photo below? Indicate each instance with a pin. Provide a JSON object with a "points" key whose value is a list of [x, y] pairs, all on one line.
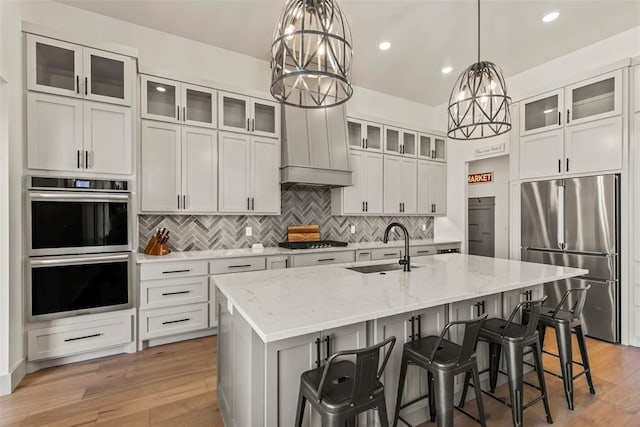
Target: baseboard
{"points": [[9, 381]]}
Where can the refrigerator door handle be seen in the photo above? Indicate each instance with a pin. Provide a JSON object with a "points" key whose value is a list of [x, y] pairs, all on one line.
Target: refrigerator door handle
{"points": [[560, 194]]}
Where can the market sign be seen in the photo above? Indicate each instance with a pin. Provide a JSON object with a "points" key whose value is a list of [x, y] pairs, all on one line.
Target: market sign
{"points": [[478, 178]]}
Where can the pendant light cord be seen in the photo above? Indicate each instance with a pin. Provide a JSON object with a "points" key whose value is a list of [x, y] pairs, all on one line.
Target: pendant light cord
{"points": [[478, 30]]}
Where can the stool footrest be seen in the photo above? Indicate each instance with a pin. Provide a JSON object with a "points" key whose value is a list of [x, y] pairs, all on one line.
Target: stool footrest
{"points": [[411, 402]]}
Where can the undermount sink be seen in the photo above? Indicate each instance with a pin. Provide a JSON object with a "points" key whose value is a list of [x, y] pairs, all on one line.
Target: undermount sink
{"points": [[380, 268]]}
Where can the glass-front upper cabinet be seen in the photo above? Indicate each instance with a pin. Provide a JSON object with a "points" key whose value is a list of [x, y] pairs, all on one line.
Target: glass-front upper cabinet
{"points": [[594, 99], [68, 69], [53, 66], [199, 106], [107, 77], [265, 118], [432, 147], [234, 112], [542, 113], [409, 143], [392, 140], [364, 135], [160, 99]]}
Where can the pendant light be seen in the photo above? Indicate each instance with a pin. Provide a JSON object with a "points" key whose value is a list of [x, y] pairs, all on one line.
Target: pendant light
{"points": [[479, 104], [311, 55]]}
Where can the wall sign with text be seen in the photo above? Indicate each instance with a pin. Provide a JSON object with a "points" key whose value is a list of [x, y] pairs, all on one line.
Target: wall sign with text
{"points": [[480, 178]]}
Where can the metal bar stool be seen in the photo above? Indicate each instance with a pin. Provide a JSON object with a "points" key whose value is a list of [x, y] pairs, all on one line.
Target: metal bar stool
{"points": [[443, 360], [342, 389], [514, 337], [564, 321]]}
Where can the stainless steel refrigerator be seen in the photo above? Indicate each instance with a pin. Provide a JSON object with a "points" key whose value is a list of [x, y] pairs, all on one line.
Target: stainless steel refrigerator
{"points": [[575, 222]]}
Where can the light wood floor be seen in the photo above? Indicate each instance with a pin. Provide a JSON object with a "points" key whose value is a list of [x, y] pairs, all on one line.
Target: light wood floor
{"points": [[175, 385]]}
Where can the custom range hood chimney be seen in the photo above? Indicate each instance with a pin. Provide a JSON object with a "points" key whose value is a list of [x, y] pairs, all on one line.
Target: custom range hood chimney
{"points": [[314, 147]]}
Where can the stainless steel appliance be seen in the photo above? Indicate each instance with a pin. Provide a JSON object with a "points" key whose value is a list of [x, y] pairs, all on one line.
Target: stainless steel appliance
{"points": [[575, 222], [75, 216], [79, 240], [316, 244]]}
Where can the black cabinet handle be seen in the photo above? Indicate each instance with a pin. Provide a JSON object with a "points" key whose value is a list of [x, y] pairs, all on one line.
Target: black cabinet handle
{"points": [[327, 340], [184, 202], [83, 338], [426, 251], [363, 207], [559, 165], [78, 158], [567, 164], [169, 322], [366, 143], [559, 118], [480, 309], [326, 259], [253, 125], [366, 206], [253, 204], [419, 317], [166, 294], [86, 160], [77, 84], [391, 254], [240, 266], [317, 343], [86, 84], [178, 202], [248, 203], [184, 114], [178, 112], [248, 125], [568, 116], [176, 271], [413, 329]]}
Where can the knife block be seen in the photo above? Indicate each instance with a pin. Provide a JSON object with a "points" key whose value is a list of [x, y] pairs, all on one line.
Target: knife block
{"points": [[155, 248]]}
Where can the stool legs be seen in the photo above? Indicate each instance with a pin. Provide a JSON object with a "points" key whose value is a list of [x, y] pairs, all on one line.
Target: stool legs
{"points": [[476, 387], [302, 402], [432, 397], [563, 336], [382, 412], [444, 399], [403, 375], [585, 357], [494, 364], [537, 361], [514, 357]]}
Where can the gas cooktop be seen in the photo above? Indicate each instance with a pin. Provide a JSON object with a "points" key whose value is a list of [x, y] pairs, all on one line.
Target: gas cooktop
{"points": [[317, 244]]}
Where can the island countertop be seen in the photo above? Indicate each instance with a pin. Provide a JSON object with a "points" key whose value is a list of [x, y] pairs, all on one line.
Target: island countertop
{"points": [[280, 304]]}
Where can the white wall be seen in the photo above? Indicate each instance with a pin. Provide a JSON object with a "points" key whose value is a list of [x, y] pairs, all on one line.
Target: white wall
{"points": [[551, 75], [498, 188], [4, 231], [162, 52]]}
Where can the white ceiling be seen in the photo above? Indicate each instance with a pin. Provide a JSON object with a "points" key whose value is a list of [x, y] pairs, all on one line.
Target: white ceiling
{"points": [[425, 35]]}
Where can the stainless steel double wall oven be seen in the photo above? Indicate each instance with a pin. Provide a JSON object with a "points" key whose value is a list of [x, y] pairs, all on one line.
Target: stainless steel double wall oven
{"points": [[80, 246]]}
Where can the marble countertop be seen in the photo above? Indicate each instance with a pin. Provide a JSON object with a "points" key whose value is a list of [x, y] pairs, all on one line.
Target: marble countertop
{"points": [[280, 304], [274, 250]]}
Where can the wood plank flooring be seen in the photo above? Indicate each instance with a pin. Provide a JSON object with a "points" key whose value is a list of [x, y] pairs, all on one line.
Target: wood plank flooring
{"points": [[175, 385]]}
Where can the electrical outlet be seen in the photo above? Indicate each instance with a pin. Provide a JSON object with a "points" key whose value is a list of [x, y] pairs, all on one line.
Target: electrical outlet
{"points": [[424, 227], [248, 232], [353, 229]]}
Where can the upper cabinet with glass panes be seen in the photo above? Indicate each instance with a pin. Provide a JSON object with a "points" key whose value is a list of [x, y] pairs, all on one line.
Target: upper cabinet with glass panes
{"points": [[432, 147], [69, 69], [364, 135], [239, 113], [176, 102], [597, 98]]}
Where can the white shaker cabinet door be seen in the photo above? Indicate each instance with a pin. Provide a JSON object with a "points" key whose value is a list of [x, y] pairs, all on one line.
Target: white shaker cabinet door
{"points": [[541, 155], [373, 181], [409, 186], [265, 175], [424, 188], [438, 179], [160, 174], [234, 172], [107, 77], [199, 169], [54, 66], [594, 146], [392, 184], [54, 133], [354, 196], [107, 138]]}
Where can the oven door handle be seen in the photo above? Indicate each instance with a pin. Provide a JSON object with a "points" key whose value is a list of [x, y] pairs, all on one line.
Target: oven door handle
{"points": [[90, 197], [89, 259]]}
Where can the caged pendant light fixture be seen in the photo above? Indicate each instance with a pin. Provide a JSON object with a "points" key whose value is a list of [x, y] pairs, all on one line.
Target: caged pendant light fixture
{"points": [[479, 104], [311, 55]]}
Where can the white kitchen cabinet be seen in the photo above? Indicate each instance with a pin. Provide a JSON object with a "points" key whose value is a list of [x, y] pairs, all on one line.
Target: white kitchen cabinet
{"points": [[400, 141], [594, 99], [432, 147], [409, 143], [542, 154], [178, 102], [179, 168], [238, 113], [160, 175], [54, 133], [432, 188], [400, 185], [365, 195], [594, 146], [249, 174], [66, 134], [364, 135], [322, 258], [277, 262], [68, 69], [542, 113], [107, 138]]}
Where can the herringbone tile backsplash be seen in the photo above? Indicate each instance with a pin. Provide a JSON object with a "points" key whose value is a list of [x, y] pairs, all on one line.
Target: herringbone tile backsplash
{"points": [[300, 205]]}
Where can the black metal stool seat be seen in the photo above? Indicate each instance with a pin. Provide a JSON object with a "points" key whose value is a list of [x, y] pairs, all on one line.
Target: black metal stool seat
{"points": [[514, 338], [342, 389], [443, 360], [565, 321]]}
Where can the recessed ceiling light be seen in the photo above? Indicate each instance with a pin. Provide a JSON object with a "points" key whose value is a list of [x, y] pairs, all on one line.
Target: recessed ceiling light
{"points": [[161, 89], [447, 70], [384, 45], [551, 16]]}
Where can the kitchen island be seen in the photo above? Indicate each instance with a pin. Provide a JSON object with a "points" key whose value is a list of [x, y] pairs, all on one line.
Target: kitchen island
{"points": [[273, 325]]}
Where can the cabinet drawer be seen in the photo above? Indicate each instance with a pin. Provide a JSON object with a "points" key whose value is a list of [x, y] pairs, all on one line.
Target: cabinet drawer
{"points": [[237, 265], [385, 253], [363, 255], [171, 292], [174, 320], [323, 258], [448, 248], [81, 337], [168, 270], [422, 250]]}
